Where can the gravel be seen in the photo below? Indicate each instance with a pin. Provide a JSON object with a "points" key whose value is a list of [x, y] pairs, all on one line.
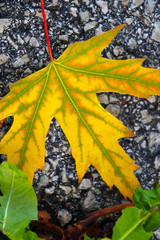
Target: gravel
{"points": [[23, 51]]}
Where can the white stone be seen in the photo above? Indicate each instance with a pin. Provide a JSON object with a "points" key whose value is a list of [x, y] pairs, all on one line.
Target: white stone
{"points": [[50, 190], [158, 126], [112, 99], [109, 55], [90, 202], [21, 61], [20, 40], [146, 117], [66, 189], [4, 23], [27, 39], [64, 216], [152, 98], [84, 184], [150, 4], [157, 162], [28, 71], [27, 13], [46, 167], [157, 233], [26, 21], [129, 21], [103, 5], [115, 5], [132, 43], [113, 109], [12, 43], [125, 2], [156, 32], [63, 38], [136, 3], [86, 1], [143, 144], [53, 4], [75, 30], [33, 42], [99, 30], [76, 2], [55, 179], [43, 181], [84, 16], [139, 31], [154, 141], [103, 98], [3, 58], [39, 14], [73, 11], [53, 163], [118, 50], [145, 35], [64, 176], [89, 26]]}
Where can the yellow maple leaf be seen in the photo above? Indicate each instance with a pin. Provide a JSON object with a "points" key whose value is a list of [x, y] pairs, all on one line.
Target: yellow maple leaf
{"points": [[66, 89]]}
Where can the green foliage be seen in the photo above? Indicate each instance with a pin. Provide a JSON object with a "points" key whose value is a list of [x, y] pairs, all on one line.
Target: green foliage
{"points": [[130, 225], [29, 235], [145, 199], [88, 238], [18, 204], [138, 222]]}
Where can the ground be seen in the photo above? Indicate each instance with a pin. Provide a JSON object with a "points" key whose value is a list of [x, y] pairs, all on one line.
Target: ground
{"points": [[23, 51]]}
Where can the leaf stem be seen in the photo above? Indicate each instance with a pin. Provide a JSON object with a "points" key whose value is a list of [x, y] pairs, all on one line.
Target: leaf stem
{"points": [[46, 31], [101, 212]]}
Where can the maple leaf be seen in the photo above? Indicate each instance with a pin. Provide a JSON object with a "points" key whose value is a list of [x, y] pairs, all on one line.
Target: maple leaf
{"points": [[66, 89]]}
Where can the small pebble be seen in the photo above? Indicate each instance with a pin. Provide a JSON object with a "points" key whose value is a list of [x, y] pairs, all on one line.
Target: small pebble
{"points": [[113, 109], [136, 3], [64, 217], [157, 162], [156, 32], [33, 42], [21, 61], [89, 26], [50, 190], [84, 184], [4, 23], [103, 5], [3, 58]]}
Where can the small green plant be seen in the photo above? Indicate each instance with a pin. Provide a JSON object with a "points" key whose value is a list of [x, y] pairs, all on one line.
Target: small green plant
{"points": [[139, 221], [18, 207], [88, 238], [18, 203]]}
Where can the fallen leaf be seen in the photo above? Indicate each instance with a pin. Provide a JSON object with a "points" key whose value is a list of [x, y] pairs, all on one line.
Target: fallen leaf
{"points": [[66, 89], [43, 215]]}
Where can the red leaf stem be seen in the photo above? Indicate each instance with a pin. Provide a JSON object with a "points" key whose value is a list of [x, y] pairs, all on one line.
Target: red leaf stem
{"points": [[46, 31], [91, 217]]}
